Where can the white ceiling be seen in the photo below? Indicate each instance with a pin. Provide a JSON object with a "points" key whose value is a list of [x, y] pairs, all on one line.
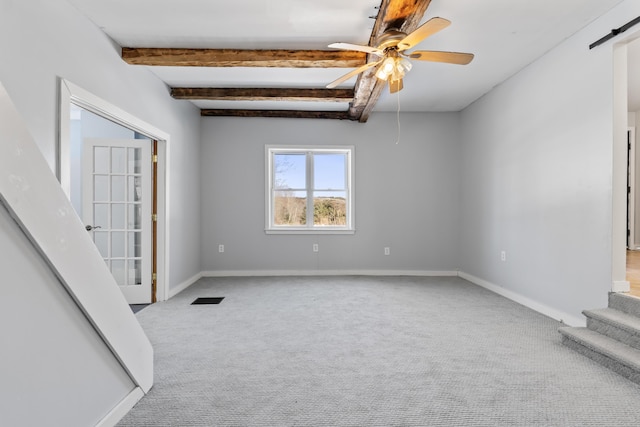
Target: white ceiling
{"points": [[504, 35]]}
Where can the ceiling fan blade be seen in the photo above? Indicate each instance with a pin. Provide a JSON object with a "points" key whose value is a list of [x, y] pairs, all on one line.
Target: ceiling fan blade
{"points": [[352, 73], [430, 27], [357, 47], [395, 85], [437, 56]]}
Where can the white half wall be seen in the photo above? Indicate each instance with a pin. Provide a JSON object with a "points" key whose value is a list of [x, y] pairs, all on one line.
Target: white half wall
{"points": [[537, 167], [406, 195], [72, 347]]}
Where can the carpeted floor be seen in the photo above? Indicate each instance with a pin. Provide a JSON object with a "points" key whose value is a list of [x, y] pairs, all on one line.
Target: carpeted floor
{"points": [[368, 351]]}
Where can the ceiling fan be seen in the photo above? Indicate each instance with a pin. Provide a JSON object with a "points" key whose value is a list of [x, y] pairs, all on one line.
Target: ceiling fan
{"points": [[393, 61]]}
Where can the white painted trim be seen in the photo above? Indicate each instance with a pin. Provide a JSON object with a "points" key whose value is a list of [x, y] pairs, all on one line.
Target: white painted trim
{"points": [[527, 302], [271, 273], [631, 204], [121, 409], [35, 200], [70, 93], [621, 286], [184, 285]]}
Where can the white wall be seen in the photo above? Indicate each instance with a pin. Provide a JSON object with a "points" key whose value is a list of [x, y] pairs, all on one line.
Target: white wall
{"points": [[406, 195], [537, 176], [43, 40], [55, 369]]}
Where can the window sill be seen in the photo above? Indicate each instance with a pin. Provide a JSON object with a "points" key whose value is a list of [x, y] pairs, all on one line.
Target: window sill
{"points": [[309, 231]]}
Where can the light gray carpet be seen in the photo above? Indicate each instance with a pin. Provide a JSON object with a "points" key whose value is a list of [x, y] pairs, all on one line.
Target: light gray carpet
{"points": [[368, 351]]}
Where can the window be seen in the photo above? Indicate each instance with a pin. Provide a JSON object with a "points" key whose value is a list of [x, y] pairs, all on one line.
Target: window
{"points": [[301, 180]]}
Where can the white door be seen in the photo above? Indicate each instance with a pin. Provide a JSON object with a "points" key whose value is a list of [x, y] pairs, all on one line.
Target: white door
{"points": [[116, 209]]}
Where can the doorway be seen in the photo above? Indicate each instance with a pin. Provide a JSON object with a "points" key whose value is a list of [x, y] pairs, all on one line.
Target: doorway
{"points": [[632, 104], [113, 168]]}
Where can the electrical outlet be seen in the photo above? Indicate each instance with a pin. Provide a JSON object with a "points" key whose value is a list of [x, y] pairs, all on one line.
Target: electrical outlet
{"points": [[503, 255], [315, 247], [220, 248], [387, 251]]}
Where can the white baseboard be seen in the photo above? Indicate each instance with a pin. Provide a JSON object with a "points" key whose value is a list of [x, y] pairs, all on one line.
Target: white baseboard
{"points": [[184, 285], [271, 273], [527, 302], [621, 286], [121, 409]]}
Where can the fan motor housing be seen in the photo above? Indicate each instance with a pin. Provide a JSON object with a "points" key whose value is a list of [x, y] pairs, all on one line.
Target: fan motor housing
{"points": [[390, 38]]}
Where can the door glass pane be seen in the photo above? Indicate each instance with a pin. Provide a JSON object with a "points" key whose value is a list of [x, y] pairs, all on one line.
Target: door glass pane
{"points": [[135, 272], [117, 216], [135, 188], [100, 215], [117, 269], [329, 171], [329, 208], [101, 188], [117, 188], [290, 208], [290, 171], [118, 159], [101, 238], [134, 249], [101, 159], [117, 244], [135, 216], [134, 160]]}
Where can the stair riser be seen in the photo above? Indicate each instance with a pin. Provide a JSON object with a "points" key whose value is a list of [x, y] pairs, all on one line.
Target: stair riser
{"points": [[615, 366], [624, 303], [614, 332]]}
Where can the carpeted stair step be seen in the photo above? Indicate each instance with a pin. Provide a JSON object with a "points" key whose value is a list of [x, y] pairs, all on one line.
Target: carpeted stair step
{"points": [[625, 303], [618, 357], [615, 324]]}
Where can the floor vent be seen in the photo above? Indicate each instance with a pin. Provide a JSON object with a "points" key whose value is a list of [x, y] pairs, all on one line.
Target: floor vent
{"points": [[207, 300]]}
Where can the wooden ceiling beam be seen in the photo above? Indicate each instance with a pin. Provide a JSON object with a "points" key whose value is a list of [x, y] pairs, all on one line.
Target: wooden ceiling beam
{"points": [[297, 114], [263, 94], [243, 58], [404, 15]]}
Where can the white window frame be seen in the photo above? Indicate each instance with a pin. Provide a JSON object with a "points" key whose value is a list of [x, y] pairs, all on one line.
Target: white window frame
{"points": [[310, 228]]}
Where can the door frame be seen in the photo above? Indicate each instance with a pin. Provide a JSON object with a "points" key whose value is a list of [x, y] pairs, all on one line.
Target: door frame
{"points": [[619, 173], [70, 93], [631, 183]]}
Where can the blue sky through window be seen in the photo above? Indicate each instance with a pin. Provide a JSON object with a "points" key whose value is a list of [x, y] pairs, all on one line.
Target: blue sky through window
{"points": [[329, 172]]}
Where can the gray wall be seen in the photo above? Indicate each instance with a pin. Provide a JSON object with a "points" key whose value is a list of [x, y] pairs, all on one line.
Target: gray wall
{"points": [[406, 194], [55, 370], [43, 40], [537, 176]]}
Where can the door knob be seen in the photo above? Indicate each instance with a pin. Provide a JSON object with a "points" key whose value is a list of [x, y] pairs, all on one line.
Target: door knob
{"points": [[91, 227]]}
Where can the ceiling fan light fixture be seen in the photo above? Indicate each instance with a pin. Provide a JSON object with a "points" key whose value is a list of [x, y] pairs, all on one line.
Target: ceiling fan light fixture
{"points": [[393, 68], [386, 69]]}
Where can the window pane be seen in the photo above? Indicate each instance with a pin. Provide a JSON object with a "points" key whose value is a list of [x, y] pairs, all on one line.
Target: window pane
{"points": [[101, 215], [117, 244], [101, 159], [135, 216], [290, 208], [135, 272], [329, 171], [135, 249], [134, 160], [135, 188], [118, 160], [117, 188], [117, 216], [101, 187], [289, 171], [330, 208]]}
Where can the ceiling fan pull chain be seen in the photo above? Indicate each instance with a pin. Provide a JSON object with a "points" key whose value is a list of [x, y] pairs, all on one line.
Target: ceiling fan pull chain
{"points": [[398, 140]]}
